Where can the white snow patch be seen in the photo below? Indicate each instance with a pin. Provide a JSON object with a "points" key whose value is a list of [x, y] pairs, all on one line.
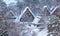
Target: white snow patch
{"points": [[42, 33], [17, 19], [36, 20]]}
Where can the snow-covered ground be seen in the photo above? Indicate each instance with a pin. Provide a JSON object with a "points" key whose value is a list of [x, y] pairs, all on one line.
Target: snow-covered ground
{"points": [[34, 29], [42, 33]]}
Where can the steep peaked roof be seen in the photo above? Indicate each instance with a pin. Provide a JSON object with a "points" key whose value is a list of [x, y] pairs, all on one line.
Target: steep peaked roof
{"points": [[57, 12], [10, 14], [25, 10], [54, 9], [46, 11]]}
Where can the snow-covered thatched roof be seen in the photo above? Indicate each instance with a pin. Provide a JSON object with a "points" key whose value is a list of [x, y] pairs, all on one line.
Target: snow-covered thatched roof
{"points": [[10, 14], [54, 10], [25, 11]]}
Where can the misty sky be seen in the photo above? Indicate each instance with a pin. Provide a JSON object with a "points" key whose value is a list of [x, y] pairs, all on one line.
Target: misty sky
{"points": [[9, 1]]}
